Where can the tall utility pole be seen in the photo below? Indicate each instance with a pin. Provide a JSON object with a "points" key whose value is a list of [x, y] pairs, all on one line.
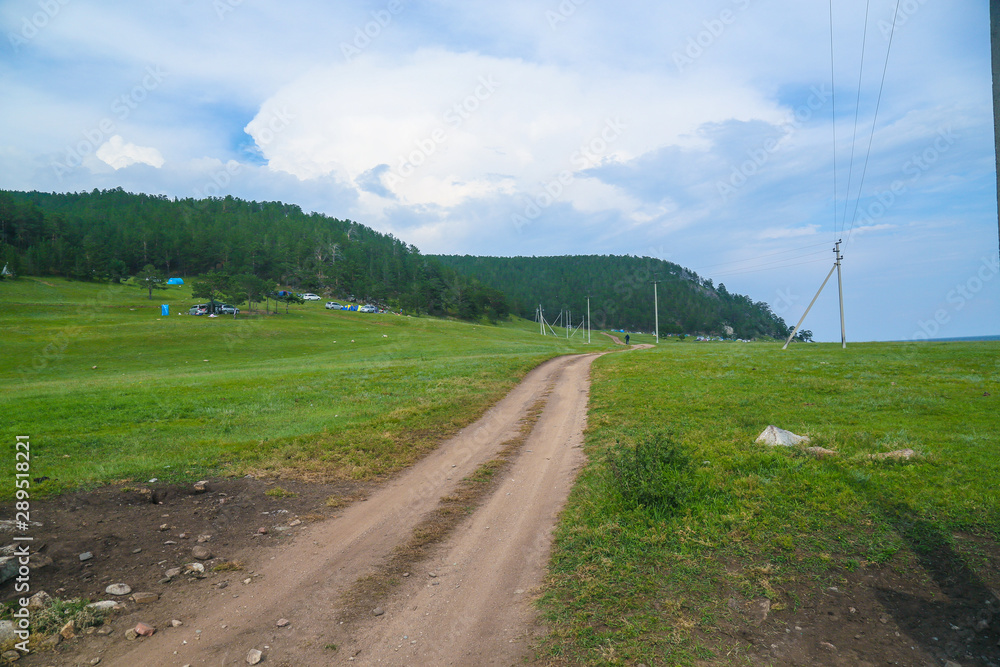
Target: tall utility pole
{"points": [[840, 286], [588, 319], [995, 39], [656, 311]]}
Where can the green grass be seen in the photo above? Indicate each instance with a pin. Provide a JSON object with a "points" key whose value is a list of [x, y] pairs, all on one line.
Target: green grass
{"points": [[644, 564], [108, 390]]}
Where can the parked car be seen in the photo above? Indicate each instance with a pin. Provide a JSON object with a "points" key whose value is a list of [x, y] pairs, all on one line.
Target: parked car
{"points": [[367, 309], [226, 309], [200, 309], [333, 305], [309, 296]]}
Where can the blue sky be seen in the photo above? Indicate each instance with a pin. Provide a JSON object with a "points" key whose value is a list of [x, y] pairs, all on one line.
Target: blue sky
{"points": [[697, 132]]}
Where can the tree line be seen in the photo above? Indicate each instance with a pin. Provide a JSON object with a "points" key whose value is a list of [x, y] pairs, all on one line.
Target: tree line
{"points": [[113, 235], [621, 294]]}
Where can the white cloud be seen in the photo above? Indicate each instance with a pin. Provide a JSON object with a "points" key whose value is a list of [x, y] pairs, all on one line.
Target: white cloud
{"points": [[788, 232], [118, 154]]}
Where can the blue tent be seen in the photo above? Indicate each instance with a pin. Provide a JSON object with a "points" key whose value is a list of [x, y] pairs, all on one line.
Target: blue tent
{"points": [[175, 281]]}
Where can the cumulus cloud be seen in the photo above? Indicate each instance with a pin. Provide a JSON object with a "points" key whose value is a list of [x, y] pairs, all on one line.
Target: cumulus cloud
{"points": [[118, 154]]}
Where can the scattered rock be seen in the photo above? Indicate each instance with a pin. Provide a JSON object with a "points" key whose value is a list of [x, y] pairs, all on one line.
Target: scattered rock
{"points": [[105, 630], [165, 526], [95, 661], [283, 622], [222, 584], [204, 538], [254, 656], [779, 437], [378, 611], [176, 624], [68, 631], [201, 487], [39, 600], [11, 655], [144, 630], [37, 561], [262, 531], [118, 589], [247, 580], [137, 551], [827, 646], [52, 641], [432, 574], [169, 542], [8, 568], [821, 452], [173, 572], [6, 631], [85, 556], [195, 568], [759, 611], [131, 634], [183, 536], [145, 598], [201, 553], [898, 455], [294, 522], [103, 605]]}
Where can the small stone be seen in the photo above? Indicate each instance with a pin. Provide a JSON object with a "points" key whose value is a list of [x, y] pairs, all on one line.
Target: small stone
{"points": [[118, 589], [247, 580], [222, 584], [39, 600], [183, 536], [176, 624], [165, 526], [194, 568], [95, 661], [201, 553], [378, 611], [144, 630], [254, 656], [145, 598], [52, 641], [11, 655], [85, 556], [103, 605], [283, 622], [68, 631], [131, 634], [137, 551], [204, 538], [406, 574], [105, 630], [173, 572], [294, 522], [262, 531], [432, 574], [201, 487], [169, 542], [827, 646]]}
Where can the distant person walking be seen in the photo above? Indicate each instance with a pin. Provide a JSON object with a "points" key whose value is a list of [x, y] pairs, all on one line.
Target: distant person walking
{"points": [[626, 339]]}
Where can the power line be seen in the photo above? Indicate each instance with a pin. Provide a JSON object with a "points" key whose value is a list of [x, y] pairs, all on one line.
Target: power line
{"points": [[833, 101], [857, 111], [768, 268], [752, 259], [878, 104]]}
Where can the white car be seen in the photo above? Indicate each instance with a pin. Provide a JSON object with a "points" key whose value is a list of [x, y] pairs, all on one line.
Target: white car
{"points": [[333, 305], [309, 296]]}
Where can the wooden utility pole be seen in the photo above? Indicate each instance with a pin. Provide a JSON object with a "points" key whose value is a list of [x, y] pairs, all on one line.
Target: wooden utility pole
{"points": [[995, 41]]}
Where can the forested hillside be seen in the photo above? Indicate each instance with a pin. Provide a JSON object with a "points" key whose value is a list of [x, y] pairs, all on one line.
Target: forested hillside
{"points": [[112, 235], [621, 293]]}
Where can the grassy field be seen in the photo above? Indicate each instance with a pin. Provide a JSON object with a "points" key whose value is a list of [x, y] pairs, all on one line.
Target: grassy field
{"points": [[678, 510], [108, 389]]}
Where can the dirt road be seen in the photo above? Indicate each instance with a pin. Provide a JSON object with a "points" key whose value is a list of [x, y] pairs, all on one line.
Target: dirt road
{"points": [[469, 605]]}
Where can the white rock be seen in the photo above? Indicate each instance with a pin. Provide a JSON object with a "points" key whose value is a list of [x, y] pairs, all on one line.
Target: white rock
{"points": [[118, 589], [103, 605], [254, 656], [774, 436]]}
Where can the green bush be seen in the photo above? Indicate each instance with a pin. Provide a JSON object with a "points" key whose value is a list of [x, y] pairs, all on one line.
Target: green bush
{"points": [[655, 474]]}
